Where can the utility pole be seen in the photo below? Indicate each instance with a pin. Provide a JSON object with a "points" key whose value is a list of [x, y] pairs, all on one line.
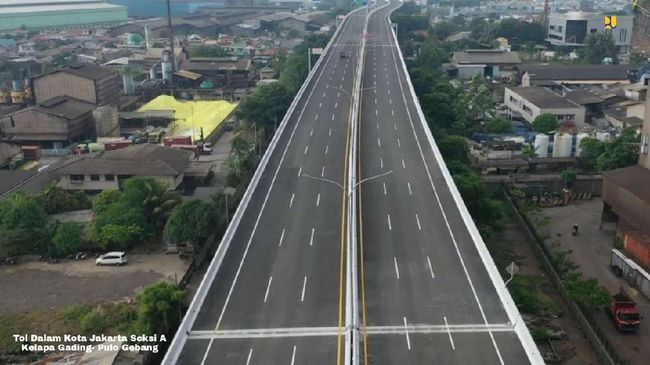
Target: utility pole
{"points": [[545, 20], [171, 35]]}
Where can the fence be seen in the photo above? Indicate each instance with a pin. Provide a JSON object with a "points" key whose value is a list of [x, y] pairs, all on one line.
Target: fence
{"points": [[604, 349]]}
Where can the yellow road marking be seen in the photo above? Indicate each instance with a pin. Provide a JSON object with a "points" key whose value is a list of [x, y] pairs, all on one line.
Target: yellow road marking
{"points": [[363, 280]]}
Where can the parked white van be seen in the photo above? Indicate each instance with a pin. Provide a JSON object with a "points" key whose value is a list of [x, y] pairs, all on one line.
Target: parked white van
{"points": [[112, 258]]}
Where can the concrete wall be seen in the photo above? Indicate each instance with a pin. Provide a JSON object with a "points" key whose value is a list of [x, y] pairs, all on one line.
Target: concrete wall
{"points": [[60, 83], [469, 71], [644, 160], [627, 205]]}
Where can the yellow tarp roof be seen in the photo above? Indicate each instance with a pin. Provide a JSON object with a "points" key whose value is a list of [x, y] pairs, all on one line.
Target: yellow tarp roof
{"points": [[191, 116]]}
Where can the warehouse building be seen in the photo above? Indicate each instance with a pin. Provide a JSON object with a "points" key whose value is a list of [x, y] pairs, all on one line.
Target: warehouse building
{"points": [[58, 14]]}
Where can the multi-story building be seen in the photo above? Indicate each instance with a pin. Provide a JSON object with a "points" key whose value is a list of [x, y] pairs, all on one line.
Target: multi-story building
{"points": [[626, 196], [529, 102], [571, 29]]}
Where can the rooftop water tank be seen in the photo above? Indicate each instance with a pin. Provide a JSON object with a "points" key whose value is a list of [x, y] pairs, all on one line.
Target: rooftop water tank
{"points": [[603, 136], [541, 145], [562, 145]]}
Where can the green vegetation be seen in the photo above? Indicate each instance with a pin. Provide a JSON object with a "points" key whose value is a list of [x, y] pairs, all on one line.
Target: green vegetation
{"points": [[192, 223], [597, 47], [603, 156], [498, 125], [569, 176], [68, 238], [156, 310], [526, 291], [545, 123]]}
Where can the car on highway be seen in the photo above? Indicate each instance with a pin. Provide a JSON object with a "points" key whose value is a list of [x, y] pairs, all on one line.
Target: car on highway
{"points": [[112, 258], [342, 54]]}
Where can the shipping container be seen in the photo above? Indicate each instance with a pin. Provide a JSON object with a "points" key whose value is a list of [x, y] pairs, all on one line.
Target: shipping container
{"points": [[632, 272], [31, 153], [177, 140], [637, 245], [188, 147]]}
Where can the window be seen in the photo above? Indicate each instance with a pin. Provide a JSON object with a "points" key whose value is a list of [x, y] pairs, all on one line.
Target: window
{"points": [[77, 178], [570, 116], [552, 27], [13, 123], [94, 177], [560, 117], [559, 29], [513, 99], [593, 30], [109, 177]]}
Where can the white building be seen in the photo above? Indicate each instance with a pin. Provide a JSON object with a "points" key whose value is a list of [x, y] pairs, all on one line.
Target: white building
{"points": [[571, 29], [529, 102]]}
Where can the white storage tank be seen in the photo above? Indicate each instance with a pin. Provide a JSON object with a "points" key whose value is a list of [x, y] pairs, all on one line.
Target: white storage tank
{"points": [[562, 145], [579, 139], [541, 145], [603, 136]]}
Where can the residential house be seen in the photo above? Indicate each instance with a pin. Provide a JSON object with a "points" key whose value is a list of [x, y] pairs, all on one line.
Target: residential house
{"points": [[53, 123], [494, 63], [108, 169], [573, 75], [81, 81], [529, 102]]}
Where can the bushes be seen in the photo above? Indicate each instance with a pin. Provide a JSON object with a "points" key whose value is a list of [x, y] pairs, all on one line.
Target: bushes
{"points": [[68, 238], [191, 223], [56, 200]]}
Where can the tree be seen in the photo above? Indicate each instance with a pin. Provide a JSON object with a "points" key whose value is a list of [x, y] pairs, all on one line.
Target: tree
{"points": [[498, 125], [528, 151], [267, 106], [474, 106], [454, 148], [68, 238], [599, 46], [57, 200], [622, 152], [160, 206], [442, 30], [590, 150], [208, 51], [137, 190], [105, 199], [545, 123], [569, 176], [615, 156], [120, 237], [158, 308], [21, 211], [192, 223]]}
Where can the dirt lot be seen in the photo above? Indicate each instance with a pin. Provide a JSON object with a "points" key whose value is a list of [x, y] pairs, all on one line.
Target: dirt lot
{"points": [[591, 250], [575, 347], [40, 285]]}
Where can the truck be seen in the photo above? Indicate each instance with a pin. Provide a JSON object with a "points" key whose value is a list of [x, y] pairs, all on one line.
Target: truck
{"points": [[624, 313], [633, 273]]}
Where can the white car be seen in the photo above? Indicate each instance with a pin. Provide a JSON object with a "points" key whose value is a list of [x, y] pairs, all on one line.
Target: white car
{"points": [[112, 258]]}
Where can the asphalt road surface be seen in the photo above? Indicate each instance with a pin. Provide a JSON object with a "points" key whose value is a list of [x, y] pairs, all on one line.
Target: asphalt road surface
{"points": [[285, 265], [421, 270]]}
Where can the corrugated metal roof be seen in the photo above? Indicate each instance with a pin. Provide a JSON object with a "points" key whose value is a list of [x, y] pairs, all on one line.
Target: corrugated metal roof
{"points": [[4, 10]]}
